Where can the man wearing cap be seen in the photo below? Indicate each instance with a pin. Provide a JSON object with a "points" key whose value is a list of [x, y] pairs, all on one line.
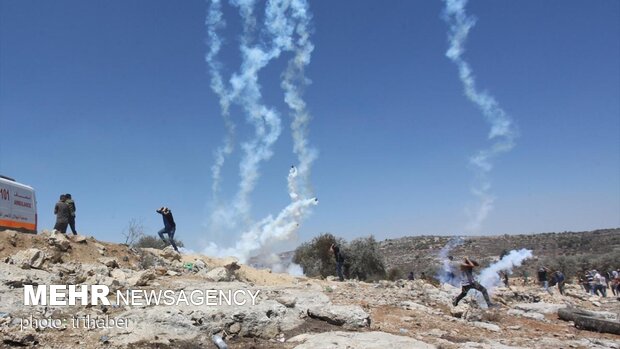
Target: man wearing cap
{"points": [[169, 226]]}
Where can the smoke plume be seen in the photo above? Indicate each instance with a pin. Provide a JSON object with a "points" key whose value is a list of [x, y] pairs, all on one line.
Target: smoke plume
{"points": [[285, 28], [503, 131], [489, 277], [293, 82], [259, 240], [243, 88], [214, 23], [447, 275]]}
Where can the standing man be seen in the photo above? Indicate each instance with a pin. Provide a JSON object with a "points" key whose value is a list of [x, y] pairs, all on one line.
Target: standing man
{"points": [[169, 226], [62, 212], [468, 282], [559, 279], [69, 201], [542, 278], [339, 260]]}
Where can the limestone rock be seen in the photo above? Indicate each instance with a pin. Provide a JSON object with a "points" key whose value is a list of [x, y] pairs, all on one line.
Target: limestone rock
{"points": [[59, 241], [487, 326], [119, 275], [366, 340], [349, 316], [287, 301], [108, 262], [142, 278], [541, 307], [199, 265], [15, 277], [219, 274], [80, 239], [170, 254], [12, 239], [30, 258]]}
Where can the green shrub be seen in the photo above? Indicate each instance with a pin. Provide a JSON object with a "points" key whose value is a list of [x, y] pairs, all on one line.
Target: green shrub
{"points": [[149, 241], [364, 260], [315, 258], [394, 274]]}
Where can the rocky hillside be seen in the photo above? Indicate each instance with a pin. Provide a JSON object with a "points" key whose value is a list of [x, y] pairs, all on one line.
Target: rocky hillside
{"points": [[289, 312], [419, 253]]}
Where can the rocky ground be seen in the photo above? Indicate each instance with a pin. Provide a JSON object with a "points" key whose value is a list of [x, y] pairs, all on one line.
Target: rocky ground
{"points": [[290, 312]]}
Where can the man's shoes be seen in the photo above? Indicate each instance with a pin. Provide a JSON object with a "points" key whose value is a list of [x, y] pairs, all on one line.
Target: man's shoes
{"points": [[454, 303], [493, 305]]}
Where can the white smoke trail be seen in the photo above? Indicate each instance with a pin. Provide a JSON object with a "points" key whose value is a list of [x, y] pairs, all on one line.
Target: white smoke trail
{"points": [[245, 91], [502, 131], [293, 82], [489, 277], [214, 23], [447, 275], [286, 28]]}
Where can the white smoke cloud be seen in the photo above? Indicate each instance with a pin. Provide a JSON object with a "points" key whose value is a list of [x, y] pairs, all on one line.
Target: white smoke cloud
{"points": [[295, 270], [489, 277], [259, 240], [503, 131], [447, 274]]}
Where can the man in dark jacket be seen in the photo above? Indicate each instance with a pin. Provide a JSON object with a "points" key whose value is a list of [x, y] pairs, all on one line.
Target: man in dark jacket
{"points": [[169, 226], [339, 260], [69, 201], [62, 212]]}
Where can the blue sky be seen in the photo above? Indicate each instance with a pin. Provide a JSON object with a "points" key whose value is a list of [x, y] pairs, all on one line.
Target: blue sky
{"points": [[110, 101]]}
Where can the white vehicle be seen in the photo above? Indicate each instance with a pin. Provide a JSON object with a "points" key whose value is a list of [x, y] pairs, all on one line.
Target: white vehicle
{"points": [[18, 206]]}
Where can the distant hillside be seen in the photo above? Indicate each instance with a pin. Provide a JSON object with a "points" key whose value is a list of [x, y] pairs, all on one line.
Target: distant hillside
{"points": [[419, 253]]}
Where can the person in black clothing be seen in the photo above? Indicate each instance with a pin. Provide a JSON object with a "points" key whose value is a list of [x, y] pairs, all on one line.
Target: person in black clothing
{"points": [[169, 226], [62, 212], [542, 278], [339, 260], [410, 276], [69, 201]]}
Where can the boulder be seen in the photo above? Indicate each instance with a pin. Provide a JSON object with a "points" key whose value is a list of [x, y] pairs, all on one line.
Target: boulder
{"points": [[199, 264], [531, 315], [287, 301], [15, 277], [170, 254], [367, 340], [30, 258], [541, 307], [108, 262], [486, 326], [349, 316], [59, 241], [80, 239], [118, 275], [142, 278], [12, 237], [219, 274]]}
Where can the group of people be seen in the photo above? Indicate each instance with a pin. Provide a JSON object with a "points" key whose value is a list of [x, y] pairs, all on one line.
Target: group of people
{"points": [[65, 217], [466, 268], [65, 214], [547, 279], [597, 283]]}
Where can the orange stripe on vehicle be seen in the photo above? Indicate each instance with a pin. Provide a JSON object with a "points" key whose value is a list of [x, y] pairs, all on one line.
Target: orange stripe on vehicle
{"points": [[13, 224]]}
